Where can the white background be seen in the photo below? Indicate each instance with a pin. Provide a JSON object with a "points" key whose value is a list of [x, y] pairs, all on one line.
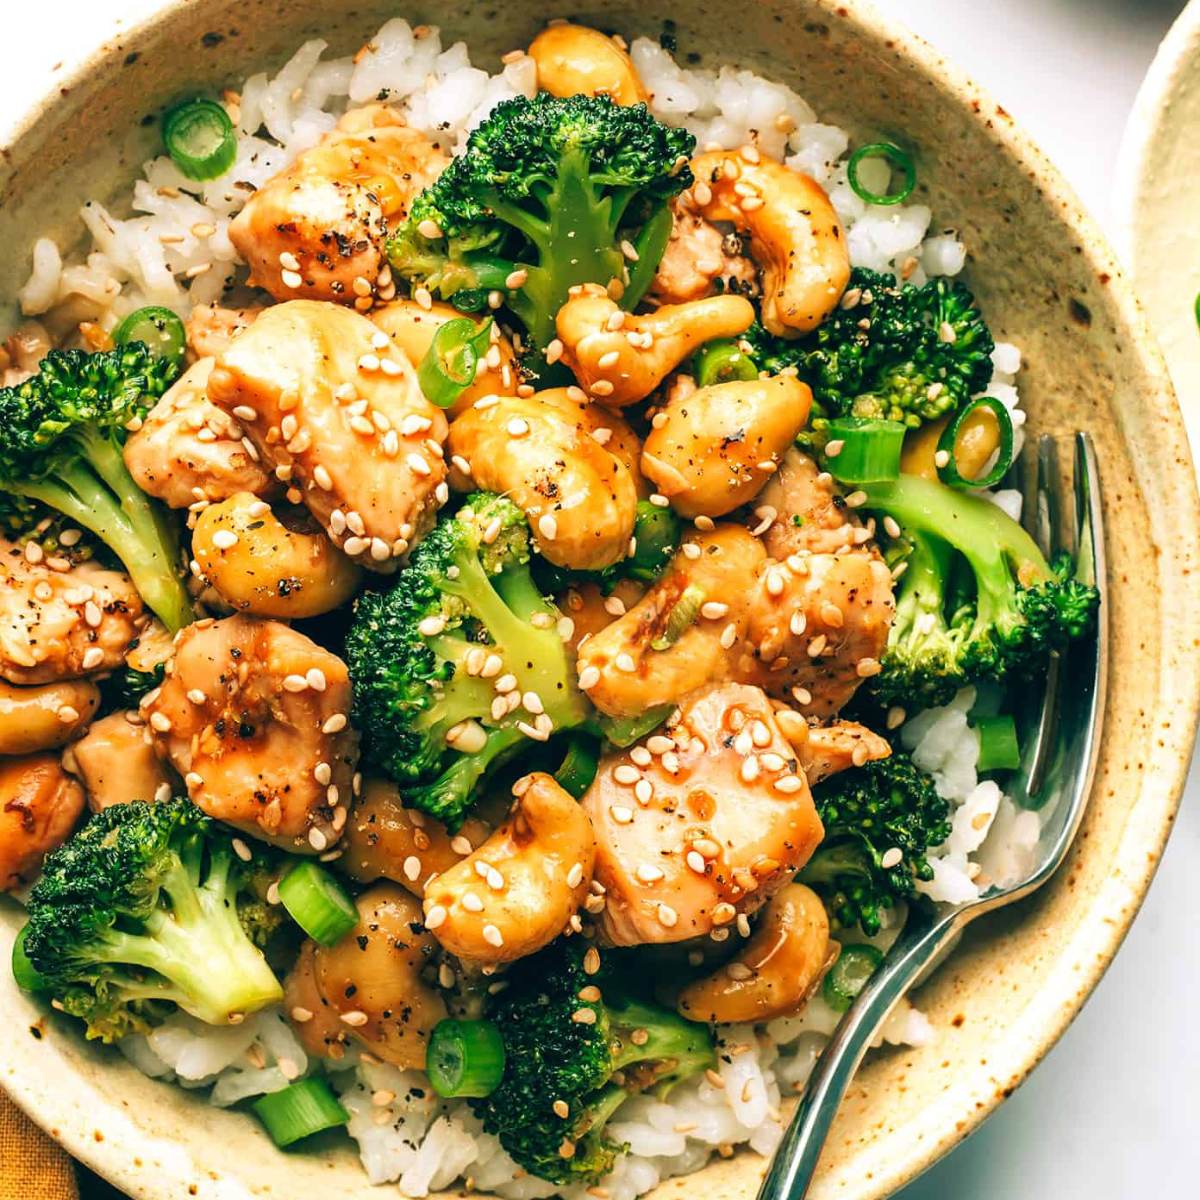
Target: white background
{"points": [[1112, 1113]]}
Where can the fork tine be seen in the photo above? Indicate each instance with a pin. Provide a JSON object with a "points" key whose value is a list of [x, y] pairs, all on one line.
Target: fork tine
{"points": [[1042, 517]]}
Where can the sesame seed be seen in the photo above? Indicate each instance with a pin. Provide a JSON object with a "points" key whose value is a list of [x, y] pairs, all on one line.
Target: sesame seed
{"points": [[291, 279], [789, 783], [776, 583], [856, 499], [667, 916], [892, 857], [355, 1017], [334, 724], [472, 903], [649, 874], [494, 937], [609, 359], [301, 1015], [695, 860], [575, 875], [516, 279], [67, 713], [896, 717], [435, 916], [160, 722], [584, 1016], [643, 791], [294, 683], [91, 613], [561, 1109], [589, 677], [322, 478], [317, 840], [225, 539], [626, 774], [714, 610], [817, 646], [354, 546], [798, 623], [506, 683], [193, 781], [941, 458], [621, 814], [492, 666], [602, 387], [92, 658], [749, 770], [431, 626], [417, 465], [625, 663]]}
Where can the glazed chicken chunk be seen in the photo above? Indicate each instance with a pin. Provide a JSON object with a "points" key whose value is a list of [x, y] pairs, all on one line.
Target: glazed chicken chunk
{"points": [[316, 230], [117, 762], [253, 715], [188, 451], [40, 804], [342, 421], [210, 327], [808, 512], [700, 822], [699, 254], [63, 624]]}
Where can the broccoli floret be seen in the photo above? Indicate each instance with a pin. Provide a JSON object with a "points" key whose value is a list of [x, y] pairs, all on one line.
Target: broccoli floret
{"points": [[1019, 606], [869, 813], [139, 912], [415, 653], [125, 688], [549, 187], [61, 433], [551, 1057], [908, 354]]}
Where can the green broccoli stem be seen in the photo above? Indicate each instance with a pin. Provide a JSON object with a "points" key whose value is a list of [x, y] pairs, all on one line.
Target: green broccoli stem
{"points": [[681, 1047], [578, 239], [651, 245], [106, 501], [922, 590], [505, 604], [181, 946]]}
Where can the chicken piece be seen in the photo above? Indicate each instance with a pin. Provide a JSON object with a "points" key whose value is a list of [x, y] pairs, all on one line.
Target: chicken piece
{"points": [[698, 612], [341, 420], [63, 624], [829, 749], [412, 328], [386, 840], [697, 255], [253, 715], [117, 762], [549, 454], [369, 987], [716, 820], [316, 231], [210, 328], [40, 804], [817, 628], [188, 450], [591, 609], [810, 514]]}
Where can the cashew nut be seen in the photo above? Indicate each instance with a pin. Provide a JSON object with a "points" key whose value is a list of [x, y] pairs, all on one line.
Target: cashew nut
{"points": [[620, 667], [412, 329], [39, 806], [549, 453], [46, 716], [259, 565], [573, 60], [978, 439], [775, 972], [518, 891], [795, 235], [385, 839], [370, 985], [621, 358], [117, 763], [718, 447]]}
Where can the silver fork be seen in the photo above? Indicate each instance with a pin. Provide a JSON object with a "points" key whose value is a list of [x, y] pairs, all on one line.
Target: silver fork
{"points": [[1058, 766]]}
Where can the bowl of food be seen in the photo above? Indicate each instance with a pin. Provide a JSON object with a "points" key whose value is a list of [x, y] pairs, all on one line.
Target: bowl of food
{"points": [[1154, 175], [507, 531]]}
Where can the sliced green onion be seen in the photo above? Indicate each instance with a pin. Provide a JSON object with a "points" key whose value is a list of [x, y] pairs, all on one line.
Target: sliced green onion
{"points": [[317, 903], [465, 1058], [848, 976], [158, 329], [299, 1110], [200, 139], [28, 977], [948, 471], [868, 450], [579, 765], [448, 368], [681, 618], [900, 159], [999, 749], [722, 362], [656, 534]]}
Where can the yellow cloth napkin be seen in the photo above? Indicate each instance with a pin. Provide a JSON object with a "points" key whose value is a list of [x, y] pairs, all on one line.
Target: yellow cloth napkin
{"points": [[32, 1167]]}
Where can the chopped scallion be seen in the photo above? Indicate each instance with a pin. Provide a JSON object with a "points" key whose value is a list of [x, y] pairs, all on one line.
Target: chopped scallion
{"points": [[899, 159], [299, 1110], [722, 362], [948, 471], [579, 765], [27, 976], [317, 903], [681, 618], [200, 139], [867, 449], [465, 1058], [848, 976], [999, 749], [158, 329], [449, 365]]}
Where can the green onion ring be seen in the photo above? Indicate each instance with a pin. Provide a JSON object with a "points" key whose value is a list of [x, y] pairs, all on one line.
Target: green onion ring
{"points": [[448, 368], [299, 1110], [200, 139], [159, 329], [848, 976], [317, 903], [869, 452], [900, 159], [999, 749], [949, 473], [722, 361], [681, 618], [579, 765]]}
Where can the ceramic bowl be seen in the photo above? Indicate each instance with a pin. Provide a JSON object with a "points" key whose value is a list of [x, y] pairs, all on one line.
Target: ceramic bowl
{"points": [[1157, 176], [1047, 281]]}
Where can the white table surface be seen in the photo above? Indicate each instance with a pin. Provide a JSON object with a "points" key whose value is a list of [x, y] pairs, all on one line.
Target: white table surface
{"points": [[1111, 1113]]}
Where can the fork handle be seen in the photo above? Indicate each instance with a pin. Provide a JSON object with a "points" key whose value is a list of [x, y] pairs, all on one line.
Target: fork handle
{"points": [[795, 1161]]}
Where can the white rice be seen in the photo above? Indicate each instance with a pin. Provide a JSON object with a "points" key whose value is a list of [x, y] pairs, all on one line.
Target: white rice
{"points": [[168, 243]]}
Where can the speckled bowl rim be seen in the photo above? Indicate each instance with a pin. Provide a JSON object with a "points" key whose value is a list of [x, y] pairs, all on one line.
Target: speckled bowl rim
{"points": [[1112, 911]]}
